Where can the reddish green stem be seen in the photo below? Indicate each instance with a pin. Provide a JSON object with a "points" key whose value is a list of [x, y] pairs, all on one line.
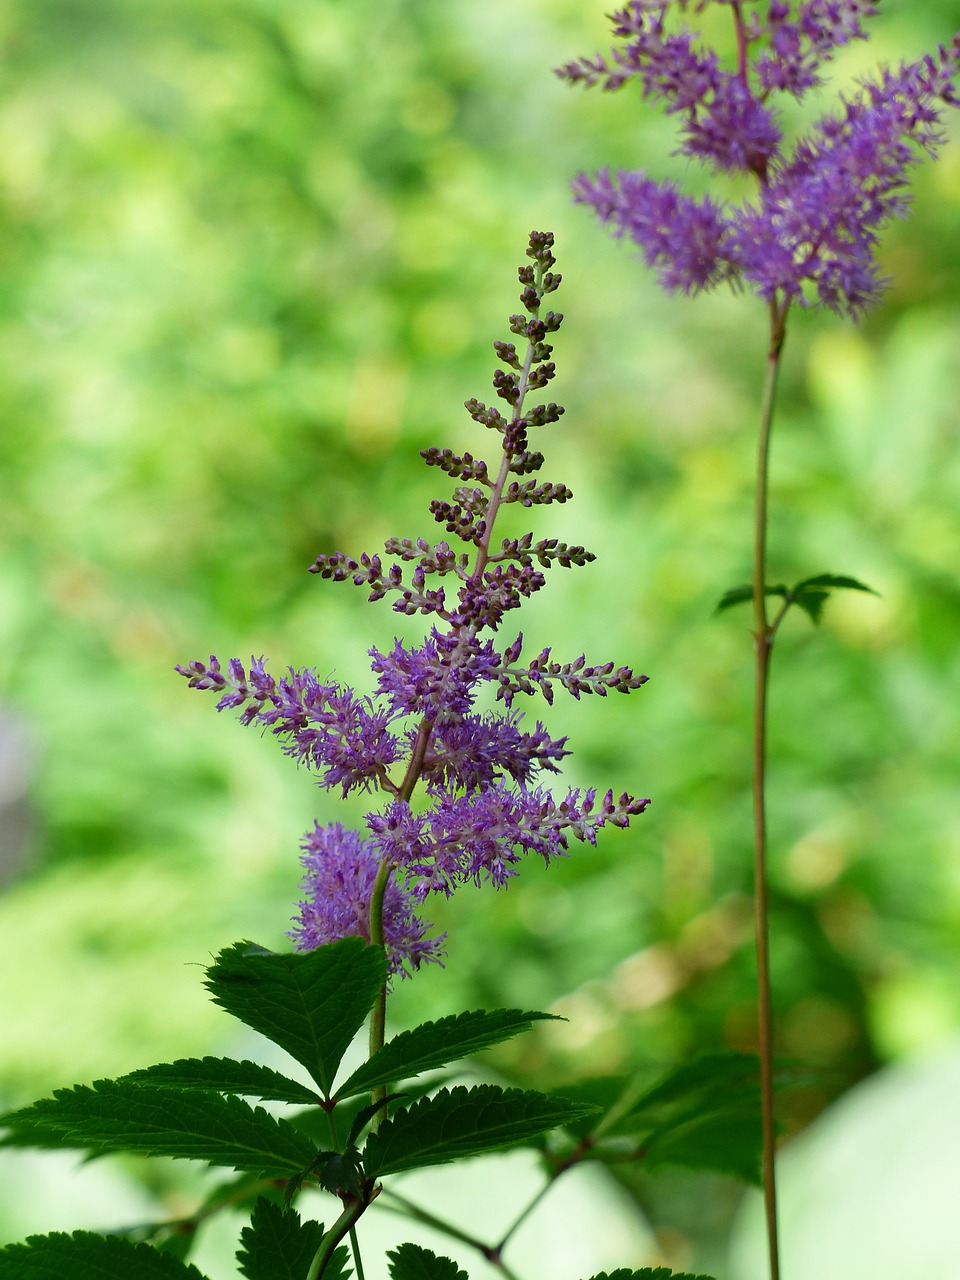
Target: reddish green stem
{"points": [[763, 637]]}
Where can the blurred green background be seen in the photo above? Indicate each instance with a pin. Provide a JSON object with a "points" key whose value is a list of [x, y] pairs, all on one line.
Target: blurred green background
{"points": [[253, 256]]}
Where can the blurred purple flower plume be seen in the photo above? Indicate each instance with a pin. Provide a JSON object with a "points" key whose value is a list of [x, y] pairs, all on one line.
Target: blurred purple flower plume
{"points": [[810, 232]]}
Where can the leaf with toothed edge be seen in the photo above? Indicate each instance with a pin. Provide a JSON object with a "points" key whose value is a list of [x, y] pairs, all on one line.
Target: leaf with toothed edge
{"points": [[412, 1262], [115, 1115], [458, 1123], [648, 1273], [225, 1075], [310, 1003], [435, 1044], [278, 1246], [83, 1255]]}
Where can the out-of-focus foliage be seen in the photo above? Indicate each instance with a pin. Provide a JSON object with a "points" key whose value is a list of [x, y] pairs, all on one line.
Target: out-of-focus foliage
{"points": [[253, 254]]}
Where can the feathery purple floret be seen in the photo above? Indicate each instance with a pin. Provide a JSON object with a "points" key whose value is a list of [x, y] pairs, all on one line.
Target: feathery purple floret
{"points": [[482, 807], [811, 232], [339, 872]]}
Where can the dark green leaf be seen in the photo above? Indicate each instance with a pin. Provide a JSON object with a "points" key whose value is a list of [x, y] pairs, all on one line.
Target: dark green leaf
{"points": [[601, 1092], [225, 1075], [312, 1004], [812, 593], [709, 1076], [339, 1171], [411, 1262], [179, 1243], [648, 1273], [726, 1141], [115, 1115], [86, 1256], [704, 1115], [459, 1123], [812, 602], [278, 1246], [366, 1114], [315, 1122], [837, 580], [434, 1044], [740, 595]]}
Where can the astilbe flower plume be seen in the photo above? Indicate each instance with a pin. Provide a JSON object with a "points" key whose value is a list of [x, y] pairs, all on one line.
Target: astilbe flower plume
{"points": [[482, 807], [810, 233]]}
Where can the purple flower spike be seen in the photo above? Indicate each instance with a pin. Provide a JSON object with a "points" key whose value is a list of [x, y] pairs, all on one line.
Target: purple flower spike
{"points": [[481, 810]]}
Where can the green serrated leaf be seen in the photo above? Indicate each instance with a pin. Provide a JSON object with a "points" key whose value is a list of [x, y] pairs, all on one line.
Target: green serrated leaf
{"points": [[838, 580], [225, 1075], [339, 1171], [87, 1256], [311, 1004], [740, 595], [648, 1273], [458, 1123], [115, 1115], [278, 1246], [435, 1044], [411, 1262]]}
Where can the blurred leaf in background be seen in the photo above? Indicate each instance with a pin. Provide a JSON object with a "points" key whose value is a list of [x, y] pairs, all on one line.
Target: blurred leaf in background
{"points": [[253, 256]]}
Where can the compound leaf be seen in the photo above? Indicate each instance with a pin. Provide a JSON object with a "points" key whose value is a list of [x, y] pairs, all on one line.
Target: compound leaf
{"points": [[435, 1044], [115, 1115], [458, 1123], [311, 1004], [87, 1256], [225, 1075]]}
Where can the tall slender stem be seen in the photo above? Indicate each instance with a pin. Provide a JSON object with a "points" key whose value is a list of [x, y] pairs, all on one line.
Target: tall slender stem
{"points": [[763, 637], [414, 769]]}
